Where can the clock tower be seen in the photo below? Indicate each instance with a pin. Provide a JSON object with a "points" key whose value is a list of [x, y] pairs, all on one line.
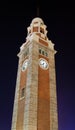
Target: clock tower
{"points": [[35, 103]]}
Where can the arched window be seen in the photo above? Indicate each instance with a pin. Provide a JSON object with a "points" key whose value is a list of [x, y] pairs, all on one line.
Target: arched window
{"points": [[42, 30]]}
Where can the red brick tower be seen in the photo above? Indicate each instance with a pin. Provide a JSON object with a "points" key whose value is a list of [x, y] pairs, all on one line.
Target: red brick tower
{"points": [[35, 103]]}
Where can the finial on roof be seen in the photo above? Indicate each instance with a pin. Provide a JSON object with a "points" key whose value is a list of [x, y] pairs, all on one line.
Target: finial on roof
{"points": [[38, 8]]}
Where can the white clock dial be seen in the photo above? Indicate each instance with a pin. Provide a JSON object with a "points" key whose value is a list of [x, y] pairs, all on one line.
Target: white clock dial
{"points": [[43, 63], [25, 64]]}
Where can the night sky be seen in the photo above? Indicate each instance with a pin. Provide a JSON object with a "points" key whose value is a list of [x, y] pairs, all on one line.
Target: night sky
{"points": [[60, 21]]}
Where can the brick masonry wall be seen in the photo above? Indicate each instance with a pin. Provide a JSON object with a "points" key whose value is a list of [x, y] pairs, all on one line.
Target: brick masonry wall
{"points": [[43, 99]]}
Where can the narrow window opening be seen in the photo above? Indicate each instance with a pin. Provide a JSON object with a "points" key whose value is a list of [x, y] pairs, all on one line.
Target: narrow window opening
{"points": [[46, 54], [42, 30], [22, 92], [40, 51]]}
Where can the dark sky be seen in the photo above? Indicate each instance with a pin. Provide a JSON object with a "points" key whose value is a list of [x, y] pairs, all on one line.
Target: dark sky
{"points": [[60, 21]]}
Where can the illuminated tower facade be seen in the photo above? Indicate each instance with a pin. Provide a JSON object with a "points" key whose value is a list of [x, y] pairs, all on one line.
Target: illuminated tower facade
{"points": [[35, 103]]}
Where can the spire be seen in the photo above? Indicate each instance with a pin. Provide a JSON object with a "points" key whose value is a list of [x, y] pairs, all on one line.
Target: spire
{"points": [[38, 11], [38, 8]]}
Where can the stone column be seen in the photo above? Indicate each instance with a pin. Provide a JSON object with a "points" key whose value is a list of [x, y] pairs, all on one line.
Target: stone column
{"points": [[30, 115], [15, 108], [53, 93]]}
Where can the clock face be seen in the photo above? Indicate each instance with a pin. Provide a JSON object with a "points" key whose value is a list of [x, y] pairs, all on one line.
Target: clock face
{"points": [[25, 64], [43, 63]]}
